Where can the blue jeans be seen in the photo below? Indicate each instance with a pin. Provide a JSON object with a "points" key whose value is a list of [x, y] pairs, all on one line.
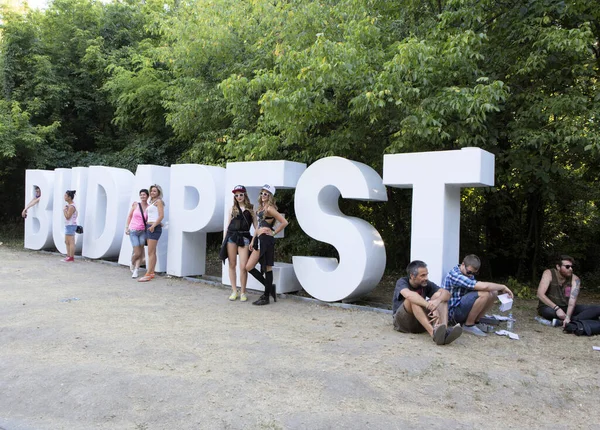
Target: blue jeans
{"points": [[137, 237]]}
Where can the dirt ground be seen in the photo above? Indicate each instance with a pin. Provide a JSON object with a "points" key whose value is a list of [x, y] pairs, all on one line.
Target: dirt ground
{"points": [[174, 354]]}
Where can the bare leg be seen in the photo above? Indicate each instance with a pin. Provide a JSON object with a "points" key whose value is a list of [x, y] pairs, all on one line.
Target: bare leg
{"points": [[243, 253], [70, 242], [232, 250], [136, 259], [419, 314], [440, 315], [491, 298], [484, 303], [252, 260], [151, 256]]}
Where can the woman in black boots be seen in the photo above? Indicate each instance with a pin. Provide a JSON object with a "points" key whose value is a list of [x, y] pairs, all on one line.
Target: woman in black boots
{"points": [[263, 243]]}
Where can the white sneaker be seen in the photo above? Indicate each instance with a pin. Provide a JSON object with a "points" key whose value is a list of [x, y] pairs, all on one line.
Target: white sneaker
{"points": [[135, 273], [131, 267], [473, 330]]}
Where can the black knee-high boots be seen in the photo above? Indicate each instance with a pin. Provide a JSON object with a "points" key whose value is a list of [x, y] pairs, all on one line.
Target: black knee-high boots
{"points": [[267, 281], [271, 286], [259, 277]]}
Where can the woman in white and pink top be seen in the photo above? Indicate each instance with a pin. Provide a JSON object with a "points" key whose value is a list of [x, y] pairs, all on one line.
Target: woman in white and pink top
{"points": [[136, 229], [70, 213], [155, 214]]}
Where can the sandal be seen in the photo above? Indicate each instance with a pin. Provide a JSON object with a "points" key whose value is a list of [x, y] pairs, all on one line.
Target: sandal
{"points": [[146, 278]]}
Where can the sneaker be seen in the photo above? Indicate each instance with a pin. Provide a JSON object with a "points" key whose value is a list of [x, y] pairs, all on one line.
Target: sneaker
{"points": [[474, 330], [439, 334], [484, 327], [453, 333], [233, 296], [243, 297], [134, 274], [68, 260]]}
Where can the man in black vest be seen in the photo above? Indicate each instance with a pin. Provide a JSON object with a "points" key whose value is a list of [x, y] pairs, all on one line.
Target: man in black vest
{"points": [[558, 292]]}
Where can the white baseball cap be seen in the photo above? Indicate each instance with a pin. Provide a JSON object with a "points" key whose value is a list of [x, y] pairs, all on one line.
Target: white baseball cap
{"points": [[269, 188]]}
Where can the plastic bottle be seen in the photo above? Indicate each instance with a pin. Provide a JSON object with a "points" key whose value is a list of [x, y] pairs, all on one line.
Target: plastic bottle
{"points": [[543, 320], [510, 323]]}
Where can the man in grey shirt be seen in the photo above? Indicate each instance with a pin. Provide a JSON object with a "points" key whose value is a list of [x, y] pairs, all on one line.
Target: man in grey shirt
{"points": [[414, 314]]}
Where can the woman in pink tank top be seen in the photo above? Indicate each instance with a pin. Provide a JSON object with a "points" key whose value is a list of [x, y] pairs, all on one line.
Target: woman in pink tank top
{"points": [[70, 213], [136, 229]]}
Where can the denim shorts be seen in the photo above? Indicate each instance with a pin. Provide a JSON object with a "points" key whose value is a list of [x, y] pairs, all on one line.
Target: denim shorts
{"points": [[156, 235], [461, 312], [137, 237], [70, 230], [246, 241]]}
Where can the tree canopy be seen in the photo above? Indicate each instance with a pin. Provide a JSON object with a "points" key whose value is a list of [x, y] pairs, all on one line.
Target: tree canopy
{"points": [[211, 81]]}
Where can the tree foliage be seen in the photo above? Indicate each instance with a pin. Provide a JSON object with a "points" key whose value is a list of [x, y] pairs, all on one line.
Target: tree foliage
{"points": [[211, 81]]}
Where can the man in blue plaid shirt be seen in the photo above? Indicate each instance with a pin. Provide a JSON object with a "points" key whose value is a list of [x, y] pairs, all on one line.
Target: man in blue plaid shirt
{"points": [[470, 299]]}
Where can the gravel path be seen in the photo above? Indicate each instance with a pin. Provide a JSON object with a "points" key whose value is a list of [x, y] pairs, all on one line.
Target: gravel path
{"points": [[173, 354]]}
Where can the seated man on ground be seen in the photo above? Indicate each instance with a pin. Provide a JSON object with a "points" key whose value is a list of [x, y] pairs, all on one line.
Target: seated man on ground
{"points": [[413, 314], [470, 299], [558, 292]]}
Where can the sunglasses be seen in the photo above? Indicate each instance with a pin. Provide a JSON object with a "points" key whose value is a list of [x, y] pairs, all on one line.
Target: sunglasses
{"points": [[568, 266], [239, 195], [264, 193], [469, 272]]}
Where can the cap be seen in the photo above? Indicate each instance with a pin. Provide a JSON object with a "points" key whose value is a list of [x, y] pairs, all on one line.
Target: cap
{"points": [[239, 188], [269, 188]]}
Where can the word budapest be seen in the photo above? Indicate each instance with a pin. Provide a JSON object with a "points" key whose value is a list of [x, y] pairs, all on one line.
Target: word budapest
{"points": [[198, 197]]}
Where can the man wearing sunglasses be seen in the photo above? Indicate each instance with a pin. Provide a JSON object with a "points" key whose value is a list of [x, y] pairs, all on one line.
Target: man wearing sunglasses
{"points": [[470, 299], [558, 291]]}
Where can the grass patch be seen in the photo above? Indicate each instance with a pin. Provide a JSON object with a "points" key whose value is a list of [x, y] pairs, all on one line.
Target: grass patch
{"points": [[11, 234]]}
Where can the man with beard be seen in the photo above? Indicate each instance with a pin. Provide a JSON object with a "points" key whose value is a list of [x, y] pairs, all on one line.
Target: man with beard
{"points": [[414, 314]]}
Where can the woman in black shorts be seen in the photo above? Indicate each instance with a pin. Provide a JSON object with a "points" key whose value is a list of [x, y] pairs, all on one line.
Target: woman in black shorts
{"points": [[237, 239], [263, 243]]}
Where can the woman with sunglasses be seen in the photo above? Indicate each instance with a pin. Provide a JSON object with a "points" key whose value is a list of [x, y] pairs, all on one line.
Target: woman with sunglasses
{"points": [[237, 239], [262, 247], [70, 213], [154, 216], [136, 230]]}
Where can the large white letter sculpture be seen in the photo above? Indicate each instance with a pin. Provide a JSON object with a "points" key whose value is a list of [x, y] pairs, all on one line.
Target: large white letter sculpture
{"points": [[146, 175], [38, 224], [360, 247], [197, 199], [108, 202], [68, 179], [253, 175], [436, 179]]}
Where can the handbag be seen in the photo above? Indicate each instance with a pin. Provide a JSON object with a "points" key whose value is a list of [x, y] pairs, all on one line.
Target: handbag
{"points": [[79, 229]]}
